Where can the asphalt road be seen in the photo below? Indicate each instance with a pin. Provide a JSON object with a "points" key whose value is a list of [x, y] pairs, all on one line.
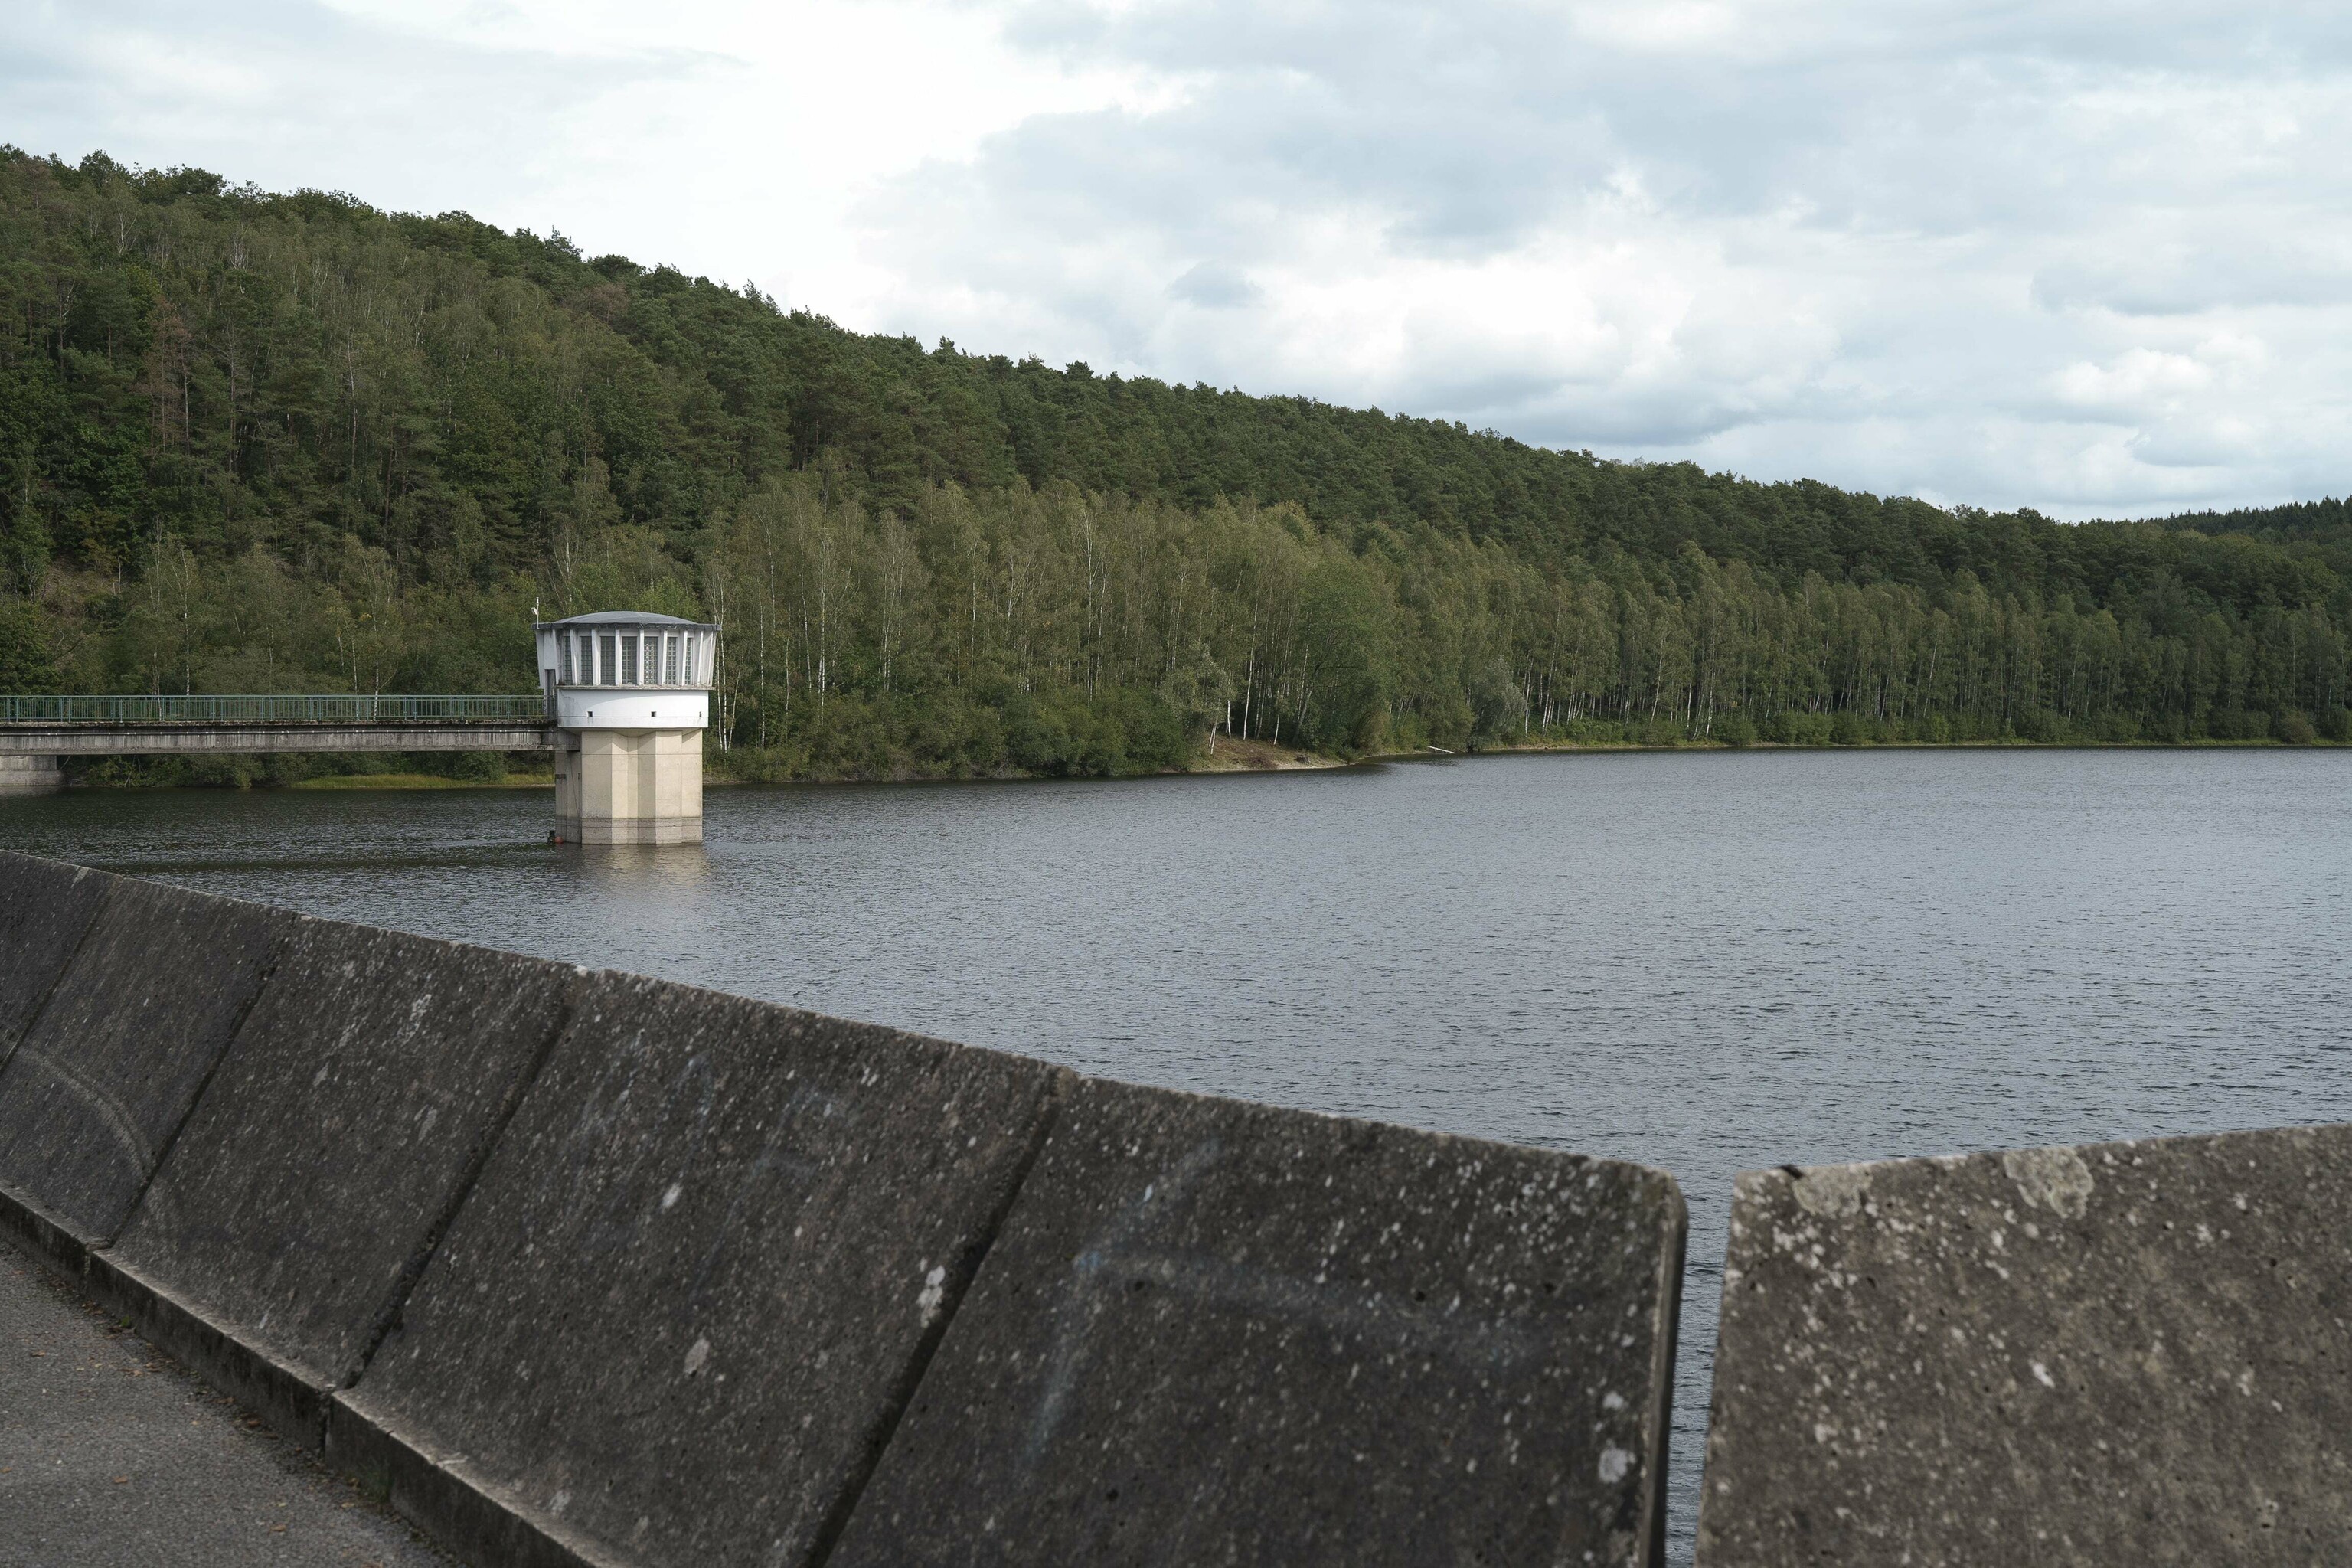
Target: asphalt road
{"points": [[112, 1456]]}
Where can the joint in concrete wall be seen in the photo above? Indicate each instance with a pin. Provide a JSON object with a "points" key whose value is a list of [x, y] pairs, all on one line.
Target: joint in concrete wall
{"points": [[954, 1286], [388, 1315]]}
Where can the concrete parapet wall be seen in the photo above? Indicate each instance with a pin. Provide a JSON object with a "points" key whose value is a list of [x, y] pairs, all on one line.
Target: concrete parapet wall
{"points": [[102, 1079], [44, 914], [1219, 1332], [594, 1270], [587, 1269], [770, 1213], [597, 1269], [334, 1139], [2115, 1354]]}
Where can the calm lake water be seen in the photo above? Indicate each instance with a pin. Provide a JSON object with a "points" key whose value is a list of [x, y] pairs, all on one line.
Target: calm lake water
{"points": [[1710, 962]]}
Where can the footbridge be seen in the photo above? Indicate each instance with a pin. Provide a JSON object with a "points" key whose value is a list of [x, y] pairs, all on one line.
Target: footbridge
{"points": [[623, 697], [37, 732]]}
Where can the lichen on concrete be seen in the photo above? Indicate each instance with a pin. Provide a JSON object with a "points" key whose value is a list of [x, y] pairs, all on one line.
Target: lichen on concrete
{"points": [[1220, 1333], [332, 1142], [101, 1081], [46, 908], [2118, 1353], [678, 1313]]}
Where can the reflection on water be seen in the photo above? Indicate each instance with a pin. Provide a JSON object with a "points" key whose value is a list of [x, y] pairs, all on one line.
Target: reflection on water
{"points": [[1710, 961]]}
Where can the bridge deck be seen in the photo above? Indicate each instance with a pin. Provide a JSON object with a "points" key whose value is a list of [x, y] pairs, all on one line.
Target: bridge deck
{"points": [[139, 740], [107, 725]]}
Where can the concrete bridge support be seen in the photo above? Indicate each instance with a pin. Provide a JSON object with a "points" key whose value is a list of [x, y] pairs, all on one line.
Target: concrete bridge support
{"points": [[29, 775], [629, 787]]}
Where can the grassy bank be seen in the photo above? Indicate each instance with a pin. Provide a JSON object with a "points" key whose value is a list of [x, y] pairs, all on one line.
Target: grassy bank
{"points": [[316, 770], [1231, 754], [424, 781], [1535, 748]]}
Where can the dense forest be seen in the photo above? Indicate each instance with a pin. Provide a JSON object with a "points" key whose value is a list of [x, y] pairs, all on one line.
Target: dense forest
{"points": [[255, 442]]}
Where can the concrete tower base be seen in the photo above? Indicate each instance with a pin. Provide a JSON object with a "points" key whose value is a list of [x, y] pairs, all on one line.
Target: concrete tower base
{"points": [[629, 787], [30, 775]]}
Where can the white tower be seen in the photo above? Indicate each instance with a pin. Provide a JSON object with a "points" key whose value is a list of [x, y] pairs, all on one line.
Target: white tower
{"points": [[629, 695]]}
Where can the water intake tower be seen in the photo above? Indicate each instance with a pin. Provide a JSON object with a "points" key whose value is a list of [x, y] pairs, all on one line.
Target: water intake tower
{"points": [[628, 694]]}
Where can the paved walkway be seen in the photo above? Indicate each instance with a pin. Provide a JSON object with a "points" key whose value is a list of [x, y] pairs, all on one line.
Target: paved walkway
{"points": [[111, 1456]]}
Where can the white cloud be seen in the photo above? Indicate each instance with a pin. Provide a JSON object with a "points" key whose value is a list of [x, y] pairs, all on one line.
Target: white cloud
{"points": [[728, 138], [2090, 258], [1996, 254]]}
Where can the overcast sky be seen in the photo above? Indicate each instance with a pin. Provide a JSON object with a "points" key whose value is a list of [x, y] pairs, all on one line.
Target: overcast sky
{"points": [[2092, 258]]}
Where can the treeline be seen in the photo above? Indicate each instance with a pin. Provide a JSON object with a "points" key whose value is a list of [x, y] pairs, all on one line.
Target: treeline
{"points": [[260, 442], [966, 627], [2324, 523]]}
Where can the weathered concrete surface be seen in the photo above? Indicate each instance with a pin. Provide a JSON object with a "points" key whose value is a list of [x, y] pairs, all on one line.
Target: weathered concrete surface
{"points": [[112, 1456], [1214, 1333], [331, 1145], [680, 1311], [29, 775], [2131, 1354], [45, 908], [617, 787], [95, 1091]]}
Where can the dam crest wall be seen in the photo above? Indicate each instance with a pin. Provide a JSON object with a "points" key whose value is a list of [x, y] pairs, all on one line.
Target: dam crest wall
{"points": [[584, 1267]]}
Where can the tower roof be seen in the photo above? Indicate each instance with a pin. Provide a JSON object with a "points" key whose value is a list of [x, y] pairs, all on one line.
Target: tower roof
{"points": [[627, 618]]}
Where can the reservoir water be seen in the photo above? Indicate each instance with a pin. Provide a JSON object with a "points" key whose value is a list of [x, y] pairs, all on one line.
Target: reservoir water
{"points": [[1710, 962]]}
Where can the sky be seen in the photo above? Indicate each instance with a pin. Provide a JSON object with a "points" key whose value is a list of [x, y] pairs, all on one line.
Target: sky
{"points": [[2090, 257]]}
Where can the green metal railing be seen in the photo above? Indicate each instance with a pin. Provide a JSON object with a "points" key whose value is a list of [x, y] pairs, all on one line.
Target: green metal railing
{"points": [[356, 708]]}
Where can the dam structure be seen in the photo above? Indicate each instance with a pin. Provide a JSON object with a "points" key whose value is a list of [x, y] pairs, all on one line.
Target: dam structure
{"points": [[584, 1268], [580, 1267]]}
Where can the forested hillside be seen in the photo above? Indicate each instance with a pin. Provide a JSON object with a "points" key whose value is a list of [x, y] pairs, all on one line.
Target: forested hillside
{"points": [[253, 442]]}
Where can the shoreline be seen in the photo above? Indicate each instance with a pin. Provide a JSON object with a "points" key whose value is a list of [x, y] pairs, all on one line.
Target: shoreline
{"points": [[332, 781], [1545, 748], [1236, 756]]}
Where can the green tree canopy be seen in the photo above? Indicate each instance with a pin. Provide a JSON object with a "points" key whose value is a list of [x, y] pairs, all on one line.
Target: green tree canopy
{"points": [[275, 441]]}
